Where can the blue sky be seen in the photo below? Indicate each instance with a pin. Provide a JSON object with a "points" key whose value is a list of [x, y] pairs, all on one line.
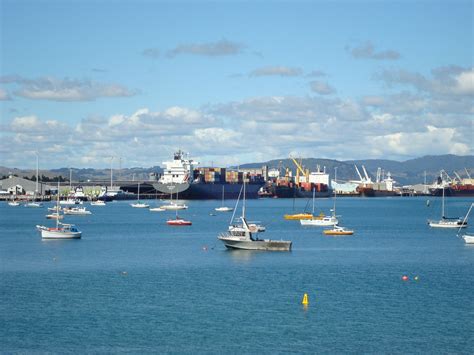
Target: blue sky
{"points": [[233, 82]]}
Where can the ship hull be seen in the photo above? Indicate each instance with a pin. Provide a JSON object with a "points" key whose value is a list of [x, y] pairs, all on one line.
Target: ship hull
{"points": [[458, 192], [294, 192], [208, 191]]}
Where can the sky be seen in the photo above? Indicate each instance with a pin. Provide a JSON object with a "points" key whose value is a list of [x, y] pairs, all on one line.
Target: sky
{"points": [[233, 82]]}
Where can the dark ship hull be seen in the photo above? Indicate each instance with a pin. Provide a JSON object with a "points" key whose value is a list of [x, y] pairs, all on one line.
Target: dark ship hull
{"points": [[295, 192], [196, 191]]}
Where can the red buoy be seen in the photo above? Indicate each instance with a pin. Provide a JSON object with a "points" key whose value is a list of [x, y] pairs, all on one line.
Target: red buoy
{"points": [[405, 278]]}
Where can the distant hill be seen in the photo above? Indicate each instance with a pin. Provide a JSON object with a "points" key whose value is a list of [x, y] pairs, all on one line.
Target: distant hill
{"points": [[405, 173]]}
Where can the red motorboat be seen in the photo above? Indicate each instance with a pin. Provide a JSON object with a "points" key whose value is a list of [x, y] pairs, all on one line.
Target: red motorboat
{"points": [[178, 222]]}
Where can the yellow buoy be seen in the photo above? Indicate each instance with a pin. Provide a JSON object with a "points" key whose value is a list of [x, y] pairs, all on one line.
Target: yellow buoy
{"points": [[305, 299]]}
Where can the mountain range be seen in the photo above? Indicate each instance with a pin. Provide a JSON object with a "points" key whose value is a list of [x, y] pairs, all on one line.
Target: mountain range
{"points": [[406, 172]]}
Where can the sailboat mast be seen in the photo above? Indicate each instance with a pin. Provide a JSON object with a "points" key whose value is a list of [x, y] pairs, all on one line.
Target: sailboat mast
{"points": [[314, 189], [57, 208], [442, 204], [335, 191], [243, 204]]}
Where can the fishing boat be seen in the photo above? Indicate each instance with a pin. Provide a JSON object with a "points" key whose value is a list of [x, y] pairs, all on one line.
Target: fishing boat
{"points": [[243, 236], [468, 238], [223, 208], [337, 230], [139, 204], [61, 231], [447, 222], [79, 211], [321, 220]]}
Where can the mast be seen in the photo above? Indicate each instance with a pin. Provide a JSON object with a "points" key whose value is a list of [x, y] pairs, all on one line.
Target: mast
{"points": [[70, 180], [222, 195], [57, 208], [442, 204], [335, 193], [36, 190], [111, 160], [138, 198], [313, 200], [243, 204]]}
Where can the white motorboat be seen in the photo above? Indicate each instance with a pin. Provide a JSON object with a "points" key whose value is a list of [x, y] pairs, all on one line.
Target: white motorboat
{"points": [[447, 222], [139, 204], [79, 211], [320, 221], [34, 204], [173, 206], [468, 238], [70, 202], [54, 215], [223, 208], [244, 236], [98, 203], [13, 203], [157, 209]]}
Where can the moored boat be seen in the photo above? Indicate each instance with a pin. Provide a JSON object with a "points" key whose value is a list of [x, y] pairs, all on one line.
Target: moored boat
{"points": [[243, 236], [338, 230]]}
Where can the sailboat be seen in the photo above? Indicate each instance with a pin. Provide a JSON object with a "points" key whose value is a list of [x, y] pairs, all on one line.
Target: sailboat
{"points": [[298, 216], [174, 206], [321, 219], [139, 204], [223, 208], [447, 222], [468, 238], [337, 230], [62, 230], [178, 221], [244, 236]]}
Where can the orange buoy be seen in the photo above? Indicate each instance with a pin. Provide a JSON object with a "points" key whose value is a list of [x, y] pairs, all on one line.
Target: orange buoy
{"points": [[305, 299]]}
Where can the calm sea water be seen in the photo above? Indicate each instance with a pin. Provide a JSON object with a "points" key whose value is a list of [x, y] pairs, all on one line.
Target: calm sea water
{"points": [[135, 285]]}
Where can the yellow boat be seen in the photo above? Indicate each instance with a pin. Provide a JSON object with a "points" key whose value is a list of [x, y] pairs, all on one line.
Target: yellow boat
{"points": [[298, 216], [338, 231]]}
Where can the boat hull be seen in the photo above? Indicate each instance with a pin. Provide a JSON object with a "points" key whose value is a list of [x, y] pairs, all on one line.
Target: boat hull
{"points": [[295, 192], [324, 222], [53, 233], [444, 224], [468, 239], [267, 245]]}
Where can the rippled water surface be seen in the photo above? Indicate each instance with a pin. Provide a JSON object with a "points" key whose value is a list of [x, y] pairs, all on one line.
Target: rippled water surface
{"points": [[133, 284]]}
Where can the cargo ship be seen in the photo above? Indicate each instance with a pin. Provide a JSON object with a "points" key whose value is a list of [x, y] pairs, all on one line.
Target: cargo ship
{"points": [[300, 186], [461, 187], [181, 178]]}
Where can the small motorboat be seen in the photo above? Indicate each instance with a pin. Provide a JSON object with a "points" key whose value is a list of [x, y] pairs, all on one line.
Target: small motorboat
{"points": [[54, 215], [178, 222], [98, 203], [139, 205], [157, 209], [337, 230], [13, 203], [79, 211]]}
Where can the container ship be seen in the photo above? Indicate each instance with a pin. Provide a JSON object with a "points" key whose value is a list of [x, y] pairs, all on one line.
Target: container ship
{"points": [[301, 185], [182, 179]]}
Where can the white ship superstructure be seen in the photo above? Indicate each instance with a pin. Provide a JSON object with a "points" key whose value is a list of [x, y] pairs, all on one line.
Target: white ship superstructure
{"points": [[177, 175]]}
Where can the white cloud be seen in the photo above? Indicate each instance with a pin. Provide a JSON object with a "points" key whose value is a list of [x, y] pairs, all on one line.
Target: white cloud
{"points": [[4, 95], [211, 49], [367, 51], [276, 71], [54, 89], [321, 88]]}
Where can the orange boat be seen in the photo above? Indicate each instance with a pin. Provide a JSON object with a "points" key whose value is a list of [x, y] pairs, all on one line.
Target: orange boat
{"points": [[338, 231], [298, 216]]}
